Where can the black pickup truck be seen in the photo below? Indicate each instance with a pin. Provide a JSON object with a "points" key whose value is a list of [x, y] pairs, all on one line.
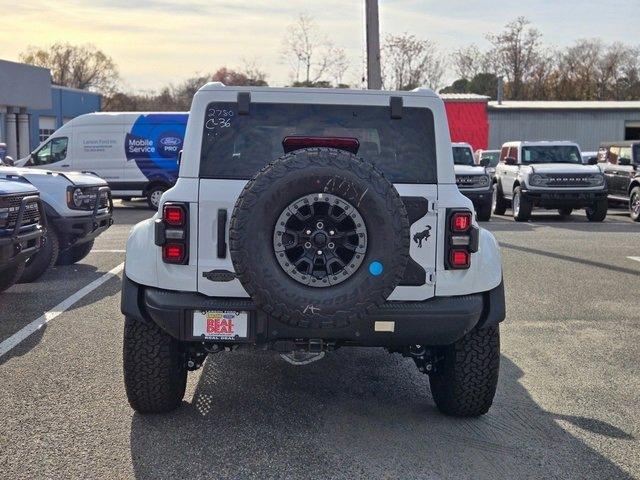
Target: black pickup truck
{"points": [[21, 228]]}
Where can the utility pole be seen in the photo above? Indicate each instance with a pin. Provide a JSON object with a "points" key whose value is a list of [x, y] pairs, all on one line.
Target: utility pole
{"points": [[374, 74]]}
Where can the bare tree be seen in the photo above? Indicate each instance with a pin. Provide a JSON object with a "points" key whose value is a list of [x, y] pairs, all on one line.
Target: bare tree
{"points": [[74, 66], [469, 61], [311, 55], [516, 51], [409, 62]]}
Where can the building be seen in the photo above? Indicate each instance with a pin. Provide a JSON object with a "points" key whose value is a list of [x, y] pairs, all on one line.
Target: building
{"points": [[31, 107], [467, 116], [585, 122]]}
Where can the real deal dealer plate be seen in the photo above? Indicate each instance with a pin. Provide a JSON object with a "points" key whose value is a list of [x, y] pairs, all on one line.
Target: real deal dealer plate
{"points": [[218, 325]]}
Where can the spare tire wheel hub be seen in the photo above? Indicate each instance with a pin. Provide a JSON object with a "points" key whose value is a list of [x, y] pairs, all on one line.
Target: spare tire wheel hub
{"points": [[320, 240]]}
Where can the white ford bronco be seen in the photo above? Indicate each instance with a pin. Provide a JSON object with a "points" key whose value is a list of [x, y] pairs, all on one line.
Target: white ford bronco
{"points": [[474, 181], [304, 220], [550, 175], [77, 208]]}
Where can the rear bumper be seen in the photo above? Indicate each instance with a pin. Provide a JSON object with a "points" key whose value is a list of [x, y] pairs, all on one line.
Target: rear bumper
{"points": [[560, 198], [437, 321]]}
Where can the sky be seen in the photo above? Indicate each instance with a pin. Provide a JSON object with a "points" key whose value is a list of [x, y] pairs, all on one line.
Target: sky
{"points": [[157, 42]]}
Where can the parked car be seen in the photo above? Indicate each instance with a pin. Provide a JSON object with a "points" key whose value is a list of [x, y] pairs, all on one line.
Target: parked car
{"points": [[550, 175], [136, 153], [474, 181], [489, 159], [77, 208], [22, 226], [619, 161], [304, 220]]}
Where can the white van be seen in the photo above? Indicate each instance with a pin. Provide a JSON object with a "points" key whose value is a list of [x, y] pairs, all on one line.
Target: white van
{"points": [[136, 153]]}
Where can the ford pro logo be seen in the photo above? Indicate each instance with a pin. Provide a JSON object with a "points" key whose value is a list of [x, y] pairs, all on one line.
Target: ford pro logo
{"points": [[170, 141]]}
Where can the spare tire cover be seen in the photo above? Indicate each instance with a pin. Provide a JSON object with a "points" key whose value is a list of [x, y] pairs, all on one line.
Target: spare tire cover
{"points": [[319, 237]]}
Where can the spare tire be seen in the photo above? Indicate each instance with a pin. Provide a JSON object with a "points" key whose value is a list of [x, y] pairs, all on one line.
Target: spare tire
{"points": [[319, 237]]}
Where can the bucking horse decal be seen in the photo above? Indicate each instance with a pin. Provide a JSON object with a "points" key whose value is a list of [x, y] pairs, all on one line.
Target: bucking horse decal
{"points": [[423, 235]]}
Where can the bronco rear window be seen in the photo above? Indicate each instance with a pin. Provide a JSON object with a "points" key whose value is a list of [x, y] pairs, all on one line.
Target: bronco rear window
{"points": [[237, 146]]}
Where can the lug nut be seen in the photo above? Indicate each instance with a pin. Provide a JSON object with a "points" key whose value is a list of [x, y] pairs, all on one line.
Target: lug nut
{"points": [[308, 232], [331, 245], [320, 225], [319, 252], [307, 245], [332, 232]]}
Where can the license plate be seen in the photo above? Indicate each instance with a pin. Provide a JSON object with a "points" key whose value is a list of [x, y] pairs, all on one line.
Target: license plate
{"points": [[220, 325]]}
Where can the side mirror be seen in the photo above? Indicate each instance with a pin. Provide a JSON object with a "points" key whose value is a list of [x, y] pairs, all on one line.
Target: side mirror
{"points": [[592, 161], [485, 162], [510, 161], [624, 161]]}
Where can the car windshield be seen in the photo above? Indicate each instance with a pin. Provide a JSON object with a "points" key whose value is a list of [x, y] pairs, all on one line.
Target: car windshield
{"points": [[494, 157], [463, 156], [237, 146], [551, 154]]}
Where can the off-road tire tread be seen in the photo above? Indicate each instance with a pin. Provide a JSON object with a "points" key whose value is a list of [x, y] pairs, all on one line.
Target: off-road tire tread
{"points": [[75, 254], [10, 275], [501, 203], [524, 214], [39, 264], [466, 379], [598, 212], [155, 373], [243, 260], [483, 212]]}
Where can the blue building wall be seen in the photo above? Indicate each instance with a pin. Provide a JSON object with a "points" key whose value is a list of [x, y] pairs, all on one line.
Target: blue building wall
{"points": [[66, 103]]}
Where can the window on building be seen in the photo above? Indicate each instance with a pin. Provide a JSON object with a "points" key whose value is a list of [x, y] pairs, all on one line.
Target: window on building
{"points": [[46, 127]]}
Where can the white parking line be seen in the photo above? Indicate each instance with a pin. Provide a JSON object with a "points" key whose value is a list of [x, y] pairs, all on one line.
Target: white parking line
{"points": [[637, 259], [108, 251], [39, 322]]}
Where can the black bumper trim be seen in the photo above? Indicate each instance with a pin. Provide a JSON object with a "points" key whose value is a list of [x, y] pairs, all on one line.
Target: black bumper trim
{"points": [[478, 197], [81, 229], [20, 247], [437, 321], [560, 198]]}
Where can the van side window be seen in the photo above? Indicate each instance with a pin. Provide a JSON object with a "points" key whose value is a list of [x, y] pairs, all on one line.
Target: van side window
{"points": [[53, 151]]}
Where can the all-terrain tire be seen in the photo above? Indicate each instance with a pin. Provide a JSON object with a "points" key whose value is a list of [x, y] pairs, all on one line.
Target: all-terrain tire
{"points": [[43, 259], [598, 211], [296, 175], [634, 204], [465, 381], [483, 212], [75, 254], [10, 275], [522, 206], [155, 372], [499, 203]]}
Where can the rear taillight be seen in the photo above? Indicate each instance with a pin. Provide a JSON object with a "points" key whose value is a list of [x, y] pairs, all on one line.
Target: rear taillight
{"points": [[461, 239], [172, 233]]}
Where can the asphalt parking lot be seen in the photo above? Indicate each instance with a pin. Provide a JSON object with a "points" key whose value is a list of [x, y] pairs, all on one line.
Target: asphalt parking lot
{"points": [[567, 403]]}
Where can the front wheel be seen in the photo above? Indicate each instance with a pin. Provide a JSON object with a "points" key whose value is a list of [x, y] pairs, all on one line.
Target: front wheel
{"points": [[598, 211], [75, 254], [498, 202], [483, 211], [465, 381], [522, 206], [43, 259], [634, 204], [155, 372], [10, 275]]}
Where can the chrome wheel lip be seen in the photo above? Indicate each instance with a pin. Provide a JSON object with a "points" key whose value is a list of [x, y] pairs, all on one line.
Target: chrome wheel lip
{"points": [[635, 205], [331, 279]]}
